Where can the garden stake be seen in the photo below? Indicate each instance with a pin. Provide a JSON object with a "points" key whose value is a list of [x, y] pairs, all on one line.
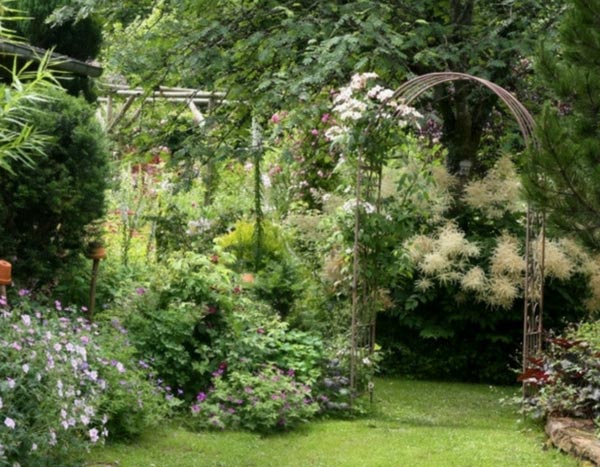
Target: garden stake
{"points": [[95, 265]]}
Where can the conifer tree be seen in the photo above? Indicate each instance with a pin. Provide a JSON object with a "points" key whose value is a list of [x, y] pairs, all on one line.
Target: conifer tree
{"points": [[563, 175]]}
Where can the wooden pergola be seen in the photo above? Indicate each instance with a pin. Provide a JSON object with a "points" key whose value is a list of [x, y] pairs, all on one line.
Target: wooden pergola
{"points": [[119, 99]]}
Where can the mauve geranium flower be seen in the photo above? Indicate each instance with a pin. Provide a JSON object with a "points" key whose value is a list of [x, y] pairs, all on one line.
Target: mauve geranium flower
{"points": [[10, 423]]}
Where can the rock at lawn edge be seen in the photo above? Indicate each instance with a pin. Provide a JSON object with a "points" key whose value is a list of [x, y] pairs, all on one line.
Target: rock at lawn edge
{"points": [[575, 436]]}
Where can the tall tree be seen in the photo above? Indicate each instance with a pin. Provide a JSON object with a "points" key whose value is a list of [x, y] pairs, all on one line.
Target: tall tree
{"points": [[275, 53], [564, 175]]}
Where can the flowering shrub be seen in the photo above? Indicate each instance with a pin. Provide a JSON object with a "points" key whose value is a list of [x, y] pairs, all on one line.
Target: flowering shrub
{"points": [[50, 388], [254, 338], [59, 387], [134, 399], [270, 399]]}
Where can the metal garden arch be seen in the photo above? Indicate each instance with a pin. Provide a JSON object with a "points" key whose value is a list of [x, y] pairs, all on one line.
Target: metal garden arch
{"points": [[534, 254]]}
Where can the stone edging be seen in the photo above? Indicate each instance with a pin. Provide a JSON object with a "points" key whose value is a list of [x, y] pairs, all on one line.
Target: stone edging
{"points": [[576, 437]]}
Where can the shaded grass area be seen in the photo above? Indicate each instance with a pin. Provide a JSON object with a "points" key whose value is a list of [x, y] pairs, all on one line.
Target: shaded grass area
{"points": [[413, 424]]}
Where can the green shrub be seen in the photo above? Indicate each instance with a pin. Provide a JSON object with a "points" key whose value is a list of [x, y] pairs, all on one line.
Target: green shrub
{"points": [[176, 316], [266, 400], [44, 208], [254, 337], [197, 316], [134, 401], [242, 242]]}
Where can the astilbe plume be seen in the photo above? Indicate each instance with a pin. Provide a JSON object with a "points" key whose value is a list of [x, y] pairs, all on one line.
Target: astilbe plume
{"points": [[474, 280], [506, 259], [496, 193], [556, 262]]}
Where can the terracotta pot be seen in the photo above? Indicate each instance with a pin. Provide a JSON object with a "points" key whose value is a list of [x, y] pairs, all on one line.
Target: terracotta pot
{"points": [[97, 253], [248, 278], [5, 273]]}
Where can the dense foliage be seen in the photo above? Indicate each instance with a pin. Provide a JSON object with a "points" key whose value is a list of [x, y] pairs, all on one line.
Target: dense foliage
{"points": [[76, 39], [45, 207], [563, 176], [244, 243], [567, 376]]}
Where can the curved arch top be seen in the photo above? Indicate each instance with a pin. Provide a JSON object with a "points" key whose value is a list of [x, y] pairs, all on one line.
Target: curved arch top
{"points": [[413, 88]]}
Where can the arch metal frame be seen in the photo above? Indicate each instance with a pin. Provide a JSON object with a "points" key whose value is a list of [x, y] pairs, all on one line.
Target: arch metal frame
{"points": [[533, 292]]}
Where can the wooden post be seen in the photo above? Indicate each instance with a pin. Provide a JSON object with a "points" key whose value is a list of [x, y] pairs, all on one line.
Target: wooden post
{"points": [[95, 264]]}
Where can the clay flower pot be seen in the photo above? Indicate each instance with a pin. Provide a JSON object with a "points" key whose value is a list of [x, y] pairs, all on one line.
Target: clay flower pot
{"points": [[95, 251], [247, 278], [5, 273]]}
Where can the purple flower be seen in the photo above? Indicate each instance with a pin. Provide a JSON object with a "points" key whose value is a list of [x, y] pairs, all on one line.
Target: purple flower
{"points": [[24, 292], [260, 330], [201, 396], [10, 423], [195, 408], [140, 291], [58, 305], [248, 390], [93, 435]]}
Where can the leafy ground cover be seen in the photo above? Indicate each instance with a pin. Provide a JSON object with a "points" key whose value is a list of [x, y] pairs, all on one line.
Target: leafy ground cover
{"points": [[414, 423]]}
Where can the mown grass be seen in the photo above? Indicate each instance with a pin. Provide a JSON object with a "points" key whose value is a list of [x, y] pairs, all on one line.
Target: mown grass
{"points": [[413, 424]]}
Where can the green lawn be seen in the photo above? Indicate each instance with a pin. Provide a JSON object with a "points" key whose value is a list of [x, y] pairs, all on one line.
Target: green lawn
{"points": [[415, 424]]}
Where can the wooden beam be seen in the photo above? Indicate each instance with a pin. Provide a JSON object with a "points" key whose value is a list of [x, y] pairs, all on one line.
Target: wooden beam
{"points": [[121, 114], [200, 100], [58, 61], [197, 115]]}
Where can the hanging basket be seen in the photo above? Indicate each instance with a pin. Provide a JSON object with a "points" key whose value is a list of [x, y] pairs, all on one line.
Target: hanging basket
{"points": [[5, 273]]}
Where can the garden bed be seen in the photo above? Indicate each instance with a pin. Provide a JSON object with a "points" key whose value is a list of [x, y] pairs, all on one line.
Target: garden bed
{"points": [[576, 437]]}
